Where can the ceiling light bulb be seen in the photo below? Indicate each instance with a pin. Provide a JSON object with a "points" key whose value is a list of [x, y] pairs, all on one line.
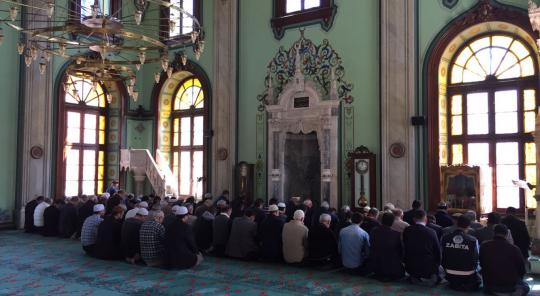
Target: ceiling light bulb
{"points": [[169, 72], [20, 48], [183, 57], [13, 11], [130, 89], [157, 77], [197, 55], [50, 10], [194, 36], [27, 58], [138, 67], [135, 95], [132, 81], [172, 25], [78, 61], [62, 49], [33, 52], [109, 98], [201, 46], [164, 63], [42, 67], [142, 57], [138, 17], [48, 56]]}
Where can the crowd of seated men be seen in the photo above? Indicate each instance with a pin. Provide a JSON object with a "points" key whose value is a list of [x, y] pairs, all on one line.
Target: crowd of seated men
{"points": [[391, 245]]}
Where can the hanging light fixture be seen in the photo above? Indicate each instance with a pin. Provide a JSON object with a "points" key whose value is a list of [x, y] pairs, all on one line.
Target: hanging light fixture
{"points": [[164, 62], [27, 58], [42, 66], [138, 67], [142, 57], [13, 11], [157, 77], [194, 35], [1, 36], [138, 17], [50, 9], [109, 98], [183, 58], [169, 72], [20, 48], [135, 95], [172, 25], [62, 49]]}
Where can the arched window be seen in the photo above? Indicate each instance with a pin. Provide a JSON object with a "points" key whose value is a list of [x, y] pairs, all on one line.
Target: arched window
{"points": [[189, 120], [82, 130], [492, 97]]}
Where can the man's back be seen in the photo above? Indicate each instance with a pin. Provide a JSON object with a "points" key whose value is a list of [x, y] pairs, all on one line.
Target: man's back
{"points": [[130, 236], [443, 219], [221, 230], [408, 216], [270, 234], [353, 246], [67, 224], [151, 238], [422, 251], [322, 242], [460, 253], [180, 247], [498, 271], [386, 253], [242, 240], [519, 233], [294, 236]]}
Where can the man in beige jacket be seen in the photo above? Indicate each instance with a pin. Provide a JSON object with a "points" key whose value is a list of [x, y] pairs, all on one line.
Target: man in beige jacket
{"points": [[295, 235]]}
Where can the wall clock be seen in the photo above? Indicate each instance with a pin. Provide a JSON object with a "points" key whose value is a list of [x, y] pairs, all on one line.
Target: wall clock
{"points": [[361, 164]]}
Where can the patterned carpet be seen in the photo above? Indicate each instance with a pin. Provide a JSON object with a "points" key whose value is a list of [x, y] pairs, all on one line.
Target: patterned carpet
{"points": [[34, 265]]}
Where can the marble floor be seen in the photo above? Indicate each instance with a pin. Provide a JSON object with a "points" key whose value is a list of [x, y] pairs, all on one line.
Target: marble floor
{"points": [[35, 265]]}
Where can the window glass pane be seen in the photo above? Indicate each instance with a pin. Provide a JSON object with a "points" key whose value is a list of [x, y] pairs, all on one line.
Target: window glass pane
{"points": [[469, 76], [530, 176], [73, 127], [90, 121], [480, 43], [477, 103], [519, 49], [506, 123], [529, 122], [474, 66], [497, 55], [529, 99], [506, 101], [507, 153], [185, 133], [198, 130], [457, 154], [88, 187], [507, 173], [89, 157], [464, 56], [101, 157], [505, 107], [457, 74], [197, 172], [101, 173], [456, 105], [457, 125], [293, 5], [509, 61], [478, 154], [527, 68], [513, 72], [187, 22], [530, 153], [175, 15], [507, 197], [477, 124], [175, 163], [89, 172], [501, 41], [484, 58], [72, 156], [185, 173], [311, 4], [72, 188], [100, 187]]}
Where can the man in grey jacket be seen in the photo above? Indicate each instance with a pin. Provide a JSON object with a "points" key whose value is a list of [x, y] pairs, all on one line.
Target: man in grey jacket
{"points": [[295, 235], [242, 242]]}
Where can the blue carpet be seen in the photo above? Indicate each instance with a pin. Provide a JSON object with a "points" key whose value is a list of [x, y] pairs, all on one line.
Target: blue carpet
{"points": [[35, 265]]}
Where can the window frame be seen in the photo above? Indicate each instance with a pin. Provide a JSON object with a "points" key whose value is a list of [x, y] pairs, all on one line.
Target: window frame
{"points": [[75, 7], [490, 86], [281, 20], [82, 109], [191, 113], [164, 30]]}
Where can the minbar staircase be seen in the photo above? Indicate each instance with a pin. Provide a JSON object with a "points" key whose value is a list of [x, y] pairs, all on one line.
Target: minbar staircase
{"points": [[142, 165]]}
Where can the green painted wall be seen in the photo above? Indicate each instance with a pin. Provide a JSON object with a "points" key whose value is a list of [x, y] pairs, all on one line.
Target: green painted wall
{"points": [[9, 94], [355, 37]]}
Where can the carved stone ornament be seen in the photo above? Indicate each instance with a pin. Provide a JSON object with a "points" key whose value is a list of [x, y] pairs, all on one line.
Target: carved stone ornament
{"points": [[222, 154], [36, 152]]}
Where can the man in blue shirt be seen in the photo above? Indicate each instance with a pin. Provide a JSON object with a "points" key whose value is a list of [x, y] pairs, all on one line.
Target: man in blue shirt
{"points": [[354, 244]]}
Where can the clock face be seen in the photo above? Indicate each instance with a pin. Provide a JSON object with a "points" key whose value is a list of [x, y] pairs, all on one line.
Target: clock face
{"points": [[362, 166]]}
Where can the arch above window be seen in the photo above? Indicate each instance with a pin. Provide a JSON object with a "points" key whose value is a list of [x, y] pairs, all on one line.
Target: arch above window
{"points": [[189, 95]]}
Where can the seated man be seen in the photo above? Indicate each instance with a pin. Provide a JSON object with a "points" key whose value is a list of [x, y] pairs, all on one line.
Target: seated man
{"points": [[90, 228], [180, 248], [295, 236], [460, 257], [133, 212], [109, 236], [39, 212], [84, 211], [442, 216], [386, 254], [68, 220], [51, 216], [130, 235], [422, 251], [29, 213], [409, 215], [354, 245], [487, 233], [518, 229], [242, 242], [502, 273], [371, 222], [202, 230], [322, 242], [221, 230], [270, 235], [151, 238], [399, 225]]}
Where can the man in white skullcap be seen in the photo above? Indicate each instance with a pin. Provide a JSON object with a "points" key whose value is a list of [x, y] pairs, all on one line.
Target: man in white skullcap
{"points": [[270, 234], [130, 235], [90, 228], [295, 235], [131, 213], [282, 209], [180, 248]]}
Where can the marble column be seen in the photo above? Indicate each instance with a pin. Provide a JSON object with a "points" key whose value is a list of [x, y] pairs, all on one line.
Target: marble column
{"points": [[223, 155], [397, 55], [36, 115]]}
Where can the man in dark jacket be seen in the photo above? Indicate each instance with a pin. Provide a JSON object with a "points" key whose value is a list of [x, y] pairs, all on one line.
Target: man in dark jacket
{"points": [[442, 216], [221, 230], [432, 223], [86, 210], [270, 235], [422, 251], [371, 222], [409, 215], [109, 236], [242, 243], [29, 214], [68, 220], [260, 215], [487, 233], [502, 274], [180, 248], [130, 236], [386, 255], [460, 257], [202, 231], [322, 242], [519, 231], [50, 218]]}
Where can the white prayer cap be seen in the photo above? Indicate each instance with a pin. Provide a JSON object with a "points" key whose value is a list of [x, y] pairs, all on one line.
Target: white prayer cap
{"points": [[142, 212], [99, 208], [143, 204], [346, 208], [389, 206], [298, 214], [281, 205], [179, 210], [273, 208], [105, 195], [208, 195], [325, 205]]}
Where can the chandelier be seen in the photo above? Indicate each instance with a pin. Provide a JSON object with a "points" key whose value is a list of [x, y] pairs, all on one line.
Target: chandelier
{"points": [[101, 44]]}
